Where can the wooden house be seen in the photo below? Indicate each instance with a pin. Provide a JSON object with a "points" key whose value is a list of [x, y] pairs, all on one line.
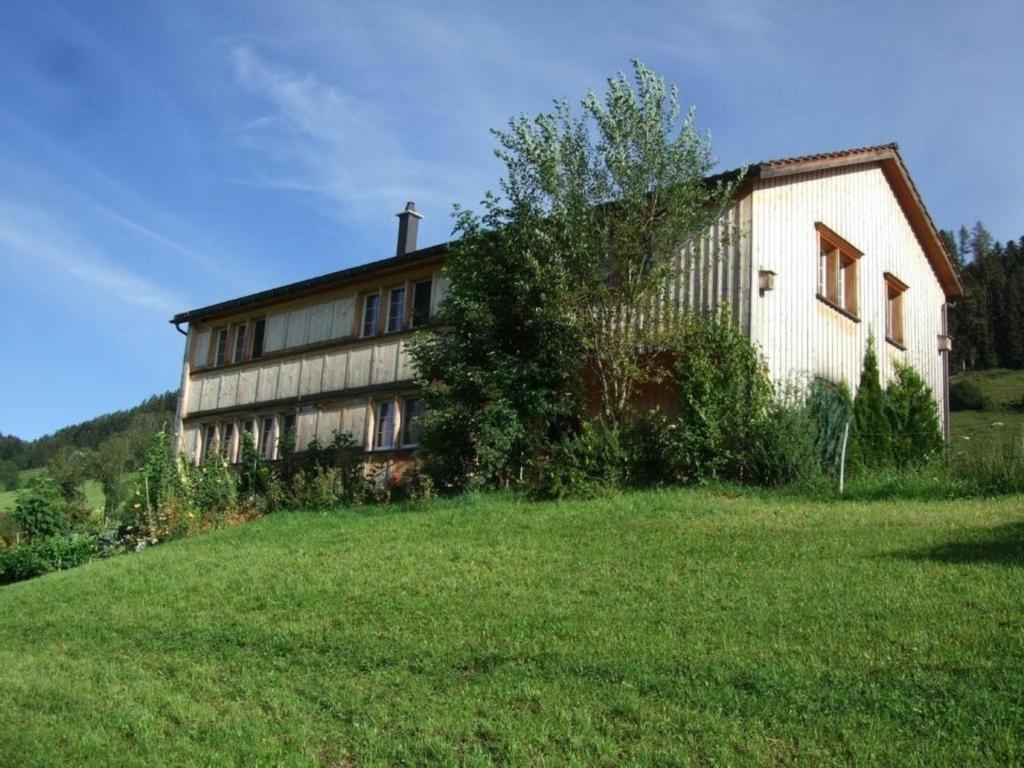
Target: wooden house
{"points": [[814, 254]]}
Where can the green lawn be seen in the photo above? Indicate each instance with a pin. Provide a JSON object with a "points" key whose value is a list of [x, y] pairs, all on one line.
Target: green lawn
{"points": [[975, 431], [657, 628]]}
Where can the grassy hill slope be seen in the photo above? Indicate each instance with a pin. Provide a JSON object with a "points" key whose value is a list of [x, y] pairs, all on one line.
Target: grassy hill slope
{"points": [[675, 628], [1004, 421]]}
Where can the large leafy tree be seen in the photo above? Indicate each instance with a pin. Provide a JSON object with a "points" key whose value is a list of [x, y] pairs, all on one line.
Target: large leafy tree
{"points": [[556, 299]]}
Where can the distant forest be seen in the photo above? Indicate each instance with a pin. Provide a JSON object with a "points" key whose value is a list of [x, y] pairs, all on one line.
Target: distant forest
{"points": [[134, 427], [987, 323]]}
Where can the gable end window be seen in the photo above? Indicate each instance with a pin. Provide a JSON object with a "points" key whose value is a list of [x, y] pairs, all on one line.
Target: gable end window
{"points": [[894, 290], [838, 272]]}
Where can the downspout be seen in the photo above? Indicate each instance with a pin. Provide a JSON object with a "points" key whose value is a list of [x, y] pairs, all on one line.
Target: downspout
{"points": [[945, 373], [179, 411]]}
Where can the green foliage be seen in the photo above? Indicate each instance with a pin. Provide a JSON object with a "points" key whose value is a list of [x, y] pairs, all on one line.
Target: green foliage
{"points": [[914, 416], [786, 447], [987, 323], [831, 409], [996, 468], [109, 462], [69, 468], [871, 433], [40, 509], [590, 462], [10, 475], [216, 489], [725, 396], [549, 282], [966, 395], [254, 473], [44, 555]]}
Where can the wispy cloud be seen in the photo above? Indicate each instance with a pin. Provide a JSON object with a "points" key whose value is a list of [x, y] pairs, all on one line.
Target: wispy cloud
{"points": [[41, 241], [316, 137]]}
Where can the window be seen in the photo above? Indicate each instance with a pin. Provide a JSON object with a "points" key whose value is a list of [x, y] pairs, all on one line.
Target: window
{"points": [[209, 441], [838, 271], [396, 309], [221, 350], [259, 328], [227, 439], [894, 290], [288, 433], [239, 351], [421, 302], [385, 437], [371, 313], [411, 421], [267, 438]]}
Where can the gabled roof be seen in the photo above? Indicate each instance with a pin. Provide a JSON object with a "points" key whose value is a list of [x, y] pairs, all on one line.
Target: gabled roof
{"points": [[887, 155]]}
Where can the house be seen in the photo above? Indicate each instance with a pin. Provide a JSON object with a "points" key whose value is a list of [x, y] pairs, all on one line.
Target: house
{"points": [[814, 254]]}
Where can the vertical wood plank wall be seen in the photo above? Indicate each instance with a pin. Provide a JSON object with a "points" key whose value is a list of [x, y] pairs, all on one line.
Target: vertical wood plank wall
{"points": [[802, 337]]}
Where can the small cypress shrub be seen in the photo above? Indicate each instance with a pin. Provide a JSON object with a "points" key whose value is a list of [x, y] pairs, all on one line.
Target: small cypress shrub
{"points": [[871, 436], [914, 416]]}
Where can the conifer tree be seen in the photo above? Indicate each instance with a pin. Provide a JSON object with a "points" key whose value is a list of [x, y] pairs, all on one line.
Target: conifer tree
{"points": [[871, 438]]}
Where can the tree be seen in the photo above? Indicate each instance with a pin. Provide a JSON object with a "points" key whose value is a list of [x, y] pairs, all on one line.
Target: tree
{"points": [[40, 509], [914, 417], [555, 284], [69, 467], [9, 475], [109, 462], [871, 438]]}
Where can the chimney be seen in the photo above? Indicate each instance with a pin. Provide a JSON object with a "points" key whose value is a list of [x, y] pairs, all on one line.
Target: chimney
{"points": [[408, 224]]}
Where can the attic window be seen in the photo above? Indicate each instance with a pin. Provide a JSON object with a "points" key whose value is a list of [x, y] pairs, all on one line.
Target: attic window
{"points": [[838, 272], [894, 290]]}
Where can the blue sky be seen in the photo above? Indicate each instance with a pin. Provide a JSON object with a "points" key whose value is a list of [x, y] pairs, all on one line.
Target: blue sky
{"points": [[156, 157]]}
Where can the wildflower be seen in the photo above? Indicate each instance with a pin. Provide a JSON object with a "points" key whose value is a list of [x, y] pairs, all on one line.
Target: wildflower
{"points": [[137, 505]]}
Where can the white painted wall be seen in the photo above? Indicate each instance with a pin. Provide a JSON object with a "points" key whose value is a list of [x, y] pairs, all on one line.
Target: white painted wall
{"points": [[800, 336]]}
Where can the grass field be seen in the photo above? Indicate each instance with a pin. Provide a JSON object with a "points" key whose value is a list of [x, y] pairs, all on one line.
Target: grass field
{"points": [[657, 628], [974, 431], [92, 489]]}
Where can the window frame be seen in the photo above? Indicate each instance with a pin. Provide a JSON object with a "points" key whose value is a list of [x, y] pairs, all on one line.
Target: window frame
{"points": [[838, 272], [259, 329], [401, 316], [267, 446], [406, 424], [364, 302], [239, 338], [219, 349], [894, 293], [209, 440], [417, 320], [379, 422]]}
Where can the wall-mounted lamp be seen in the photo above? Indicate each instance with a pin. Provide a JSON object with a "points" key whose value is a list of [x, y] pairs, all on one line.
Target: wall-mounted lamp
{"points": [[766, 281]]}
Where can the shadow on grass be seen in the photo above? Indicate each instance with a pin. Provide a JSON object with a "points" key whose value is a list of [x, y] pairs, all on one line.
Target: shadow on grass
{"points": [[1003, 545]]}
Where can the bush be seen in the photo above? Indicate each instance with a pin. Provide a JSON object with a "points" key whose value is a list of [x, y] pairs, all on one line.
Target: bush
{"points": [[785, 449], [10, 475], [965, 395], [725, 394], [585, 464], [914, 416], [43, 555], [40, 509]]}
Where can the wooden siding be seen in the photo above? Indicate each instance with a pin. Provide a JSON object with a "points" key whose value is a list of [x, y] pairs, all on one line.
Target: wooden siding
{"points": [[716, 269], [380, 361], [802, 337]]}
